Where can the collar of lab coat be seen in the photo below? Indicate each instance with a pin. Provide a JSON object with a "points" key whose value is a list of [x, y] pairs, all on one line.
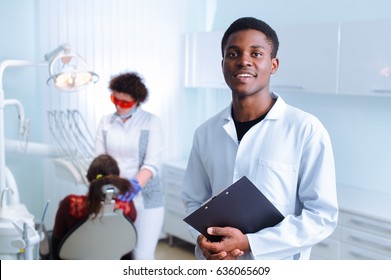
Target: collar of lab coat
{"points": [[278, 108], [275, 112]]}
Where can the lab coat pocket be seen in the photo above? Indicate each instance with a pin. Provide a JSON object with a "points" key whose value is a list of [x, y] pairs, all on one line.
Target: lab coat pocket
{"points": [[278, 182]]}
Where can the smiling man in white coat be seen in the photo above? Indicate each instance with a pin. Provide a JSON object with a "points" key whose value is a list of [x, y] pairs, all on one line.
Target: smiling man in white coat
{"points": [[285, 152]]}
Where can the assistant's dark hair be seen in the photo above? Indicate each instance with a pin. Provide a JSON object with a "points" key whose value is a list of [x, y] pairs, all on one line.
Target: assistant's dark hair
{"points": [[246, 23], [130, 83], [103, 170]]}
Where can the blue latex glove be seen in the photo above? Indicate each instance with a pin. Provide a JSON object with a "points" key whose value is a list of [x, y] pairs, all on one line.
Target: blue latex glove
{"points": [[129, 195]]}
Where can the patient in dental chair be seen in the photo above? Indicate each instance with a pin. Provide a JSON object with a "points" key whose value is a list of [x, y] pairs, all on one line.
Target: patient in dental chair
{"points": [[75, 209]]}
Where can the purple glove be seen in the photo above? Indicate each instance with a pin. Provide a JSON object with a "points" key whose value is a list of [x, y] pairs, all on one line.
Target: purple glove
{"points": [[129, 195]]}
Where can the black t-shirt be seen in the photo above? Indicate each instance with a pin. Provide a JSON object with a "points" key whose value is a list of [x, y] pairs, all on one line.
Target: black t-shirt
{"points": [[243, 127]]}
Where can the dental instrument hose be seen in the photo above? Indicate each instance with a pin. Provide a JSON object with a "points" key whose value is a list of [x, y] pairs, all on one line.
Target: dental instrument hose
{"points": [[40, 228]]}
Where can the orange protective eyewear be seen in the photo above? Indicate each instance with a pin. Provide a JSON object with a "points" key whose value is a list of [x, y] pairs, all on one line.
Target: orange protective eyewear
{"points": [[122, 103]]}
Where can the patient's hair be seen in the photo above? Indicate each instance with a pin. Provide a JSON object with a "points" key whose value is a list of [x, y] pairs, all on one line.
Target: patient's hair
{"points": [[102, 171], [246, 23]]}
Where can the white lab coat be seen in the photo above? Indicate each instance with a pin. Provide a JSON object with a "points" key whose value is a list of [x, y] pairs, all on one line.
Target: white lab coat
{"points": [[122, 141], [289, 157]]}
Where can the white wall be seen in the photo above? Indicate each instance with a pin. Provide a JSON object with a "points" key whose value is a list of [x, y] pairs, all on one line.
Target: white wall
{"points": [[300, 11], [17, 27]]}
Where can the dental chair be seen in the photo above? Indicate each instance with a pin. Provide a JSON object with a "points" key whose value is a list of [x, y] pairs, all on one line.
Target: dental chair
{"points": [[109, 236]]}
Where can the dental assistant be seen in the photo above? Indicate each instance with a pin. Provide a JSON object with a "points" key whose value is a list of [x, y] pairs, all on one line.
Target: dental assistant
{"points": [[134, 138], [284, 151]]}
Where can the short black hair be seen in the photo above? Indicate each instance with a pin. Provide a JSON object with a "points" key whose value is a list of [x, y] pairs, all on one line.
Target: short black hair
{"points": [[245, 23]]}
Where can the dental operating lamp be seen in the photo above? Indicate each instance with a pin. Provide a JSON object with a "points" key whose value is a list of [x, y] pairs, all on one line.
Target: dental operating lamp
{"points": [[68, 70]]}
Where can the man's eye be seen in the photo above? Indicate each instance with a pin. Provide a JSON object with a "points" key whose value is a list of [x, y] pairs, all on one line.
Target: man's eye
{"points": [[232, 54], [257, 54]]}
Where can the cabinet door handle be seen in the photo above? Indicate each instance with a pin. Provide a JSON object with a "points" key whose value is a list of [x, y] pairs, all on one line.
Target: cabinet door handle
{"points": [[364, 223], [371, 243], [360, 256], [380, 90], [295, 87], [323, 245]]}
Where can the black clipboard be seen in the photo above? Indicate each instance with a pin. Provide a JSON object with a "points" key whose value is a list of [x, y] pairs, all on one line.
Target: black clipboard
{"points": [[242, 205]]}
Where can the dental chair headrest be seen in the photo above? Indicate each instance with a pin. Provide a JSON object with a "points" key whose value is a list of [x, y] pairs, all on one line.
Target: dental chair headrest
{"points": [[109, 191]]}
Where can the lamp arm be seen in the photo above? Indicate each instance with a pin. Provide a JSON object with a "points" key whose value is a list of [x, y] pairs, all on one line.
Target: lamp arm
{"points": [[66, 48], [16, 63], [3, 66]]}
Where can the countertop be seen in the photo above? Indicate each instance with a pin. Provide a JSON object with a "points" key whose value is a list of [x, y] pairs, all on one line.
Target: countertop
{"points": [[364, 202]]}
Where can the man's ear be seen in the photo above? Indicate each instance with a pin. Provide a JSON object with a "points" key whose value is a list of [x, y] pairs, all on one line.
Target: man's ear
{"points": [[275, 64]]}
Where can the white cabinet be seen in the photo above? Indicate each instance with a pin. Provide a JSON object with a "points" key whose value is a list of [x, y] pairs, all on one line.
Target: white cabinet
{"points": [[365, 63], [364, 228], [357, 237], [174, 225], [203, 60], [364, 238], [348, 58], [308, 56]]}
